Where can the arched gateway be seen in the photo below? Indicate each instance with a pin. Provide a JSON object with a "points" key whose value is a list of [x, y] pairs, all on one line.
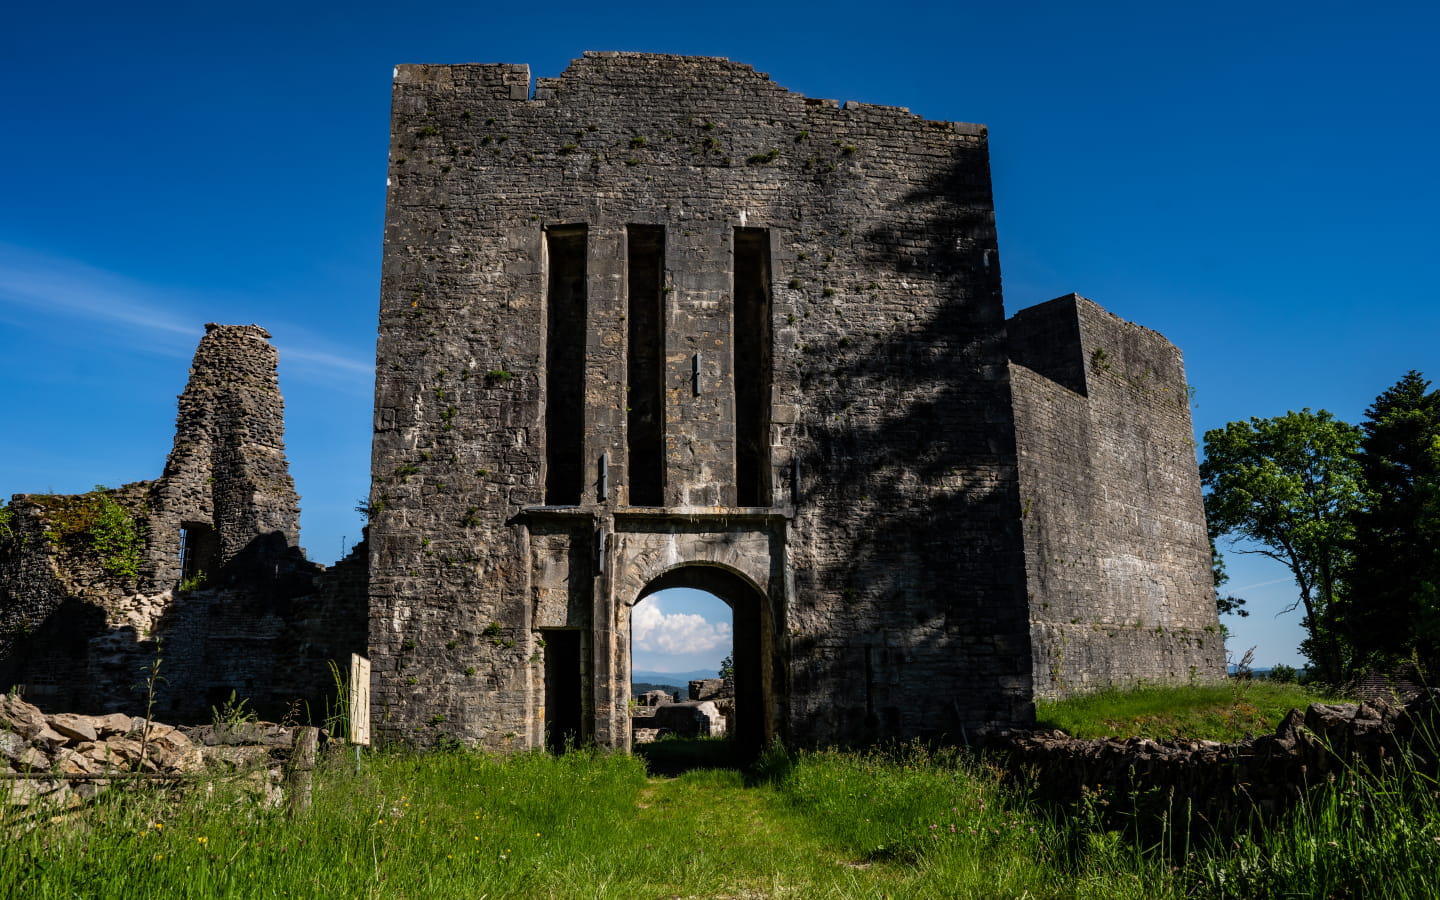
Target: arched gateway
{"points": [[661, 321], [586, 689], [753, 652]]}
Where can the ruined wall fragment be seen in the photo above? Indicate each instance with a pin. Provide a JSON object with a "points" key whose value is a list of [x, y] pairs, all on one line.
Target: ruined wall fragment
{"points": [[1117, 557], [93, 587]]}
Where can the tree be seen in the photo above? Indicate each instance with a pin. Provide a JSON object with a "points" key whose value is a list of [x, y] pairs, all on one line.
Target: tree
{"points": [[1225, 605], [1393, 590], [727, 666], [1288, 486]]}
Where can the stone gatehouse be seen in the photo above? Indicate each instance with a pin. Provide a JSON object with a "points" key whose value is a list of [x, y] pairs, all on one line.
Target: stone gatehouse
{"points": [[659, 322]]}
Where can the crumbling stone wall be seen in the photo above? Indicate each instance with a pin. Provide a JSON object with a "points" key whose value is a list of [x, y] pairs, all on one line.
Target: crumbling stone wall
{"points": [[227, 470], [91, 586], [1117, 557]]}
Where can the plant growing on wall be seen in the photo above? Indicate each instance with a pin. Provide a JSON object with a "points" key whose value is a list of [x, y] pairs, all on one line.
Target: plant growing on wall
{"points": [[118, 539], [96, 519]]}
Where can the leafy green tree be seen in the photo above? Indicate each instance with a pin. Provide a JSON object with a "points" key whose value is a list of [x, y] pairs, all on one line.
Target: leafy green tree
{"points": [[1288, 487], [1225, 605], [1393, 588], [727, 666]]}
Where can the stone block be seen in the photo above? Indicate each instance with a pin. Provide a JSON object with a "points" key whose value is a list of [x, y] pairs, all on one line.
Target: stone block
{"points": [[691, 719], [79, 728]]}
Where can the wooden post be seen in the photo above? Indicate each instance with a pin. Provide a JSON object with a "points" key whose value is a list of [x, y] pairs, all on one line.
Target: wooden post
{"points": [[301, 770]]}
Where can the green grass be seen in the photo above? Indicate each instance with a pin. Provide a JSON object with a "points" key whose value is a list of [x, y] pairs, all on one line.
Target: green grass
{"points": [[581, 825], [903, 822], [1228, 711], [676, 756]]}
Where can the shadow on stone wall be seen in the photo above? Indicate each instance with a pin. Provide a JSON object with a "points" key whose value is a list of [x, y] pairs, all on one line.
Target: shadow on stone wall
{"points": [[922, 490]]}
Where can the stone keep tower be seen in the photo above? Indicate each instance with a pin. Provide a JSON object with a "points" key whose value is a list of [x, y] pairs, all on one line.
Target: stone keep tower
{"points": [[664, 323]]}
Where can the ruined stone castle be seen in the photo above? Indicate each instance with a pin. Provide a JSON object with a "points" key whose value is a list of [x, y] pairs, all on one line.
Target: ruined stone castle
{"points": [[659, 322]]}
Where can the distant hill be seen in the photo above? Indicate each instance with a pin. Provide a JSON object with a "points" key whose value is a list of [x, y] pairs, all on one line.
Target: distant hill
{"points": [[679, 679], [642, 687]]}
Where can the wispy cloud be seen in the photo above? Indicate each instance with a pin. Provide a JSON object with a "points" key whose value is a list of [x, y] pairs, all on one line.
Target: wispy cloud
{"points": [[320, 358], [67, 288], [1260, 584], [50, 288]]}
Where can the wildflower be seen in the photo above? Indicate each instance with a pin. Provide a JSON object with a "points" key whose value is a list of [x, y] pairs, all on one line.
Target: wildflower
{"points": [[202, 840]]}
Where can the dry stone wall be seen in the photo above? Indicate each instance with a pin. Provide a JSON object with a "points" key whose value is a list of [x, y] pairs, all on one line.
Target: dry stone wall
{"points": [[1219, 784]]}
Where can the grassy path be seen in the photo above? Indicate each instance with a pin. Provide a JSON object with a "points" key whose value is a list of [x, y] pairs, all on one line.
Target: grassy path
{"points": [[747, 842]]}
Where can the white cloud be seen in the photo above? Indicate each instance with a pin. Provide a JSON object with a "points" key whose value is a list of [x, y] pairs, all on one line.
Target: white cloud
{"points": [[654, 631]]}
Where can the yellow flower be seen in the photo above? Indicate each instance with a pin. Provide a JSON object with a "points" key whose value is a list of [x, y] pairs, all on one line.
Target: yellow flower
{"points": [[202, 840]]}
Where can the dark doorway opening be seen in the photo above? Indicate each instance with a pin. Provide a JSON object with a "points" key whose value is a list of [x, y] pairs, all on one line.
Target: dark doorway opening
{"points": [[564, 690], [199, 554]]}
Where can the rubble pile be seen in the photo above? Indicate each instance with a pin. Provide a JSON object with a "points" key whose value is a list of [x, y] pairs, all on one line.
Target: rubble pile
{"points": [[66, 759]]}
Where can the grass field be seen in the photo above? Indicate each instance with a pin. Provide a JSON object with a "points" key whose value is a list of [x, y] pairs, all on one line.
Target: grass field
{"points": [[901, 823], [1229, 711]]}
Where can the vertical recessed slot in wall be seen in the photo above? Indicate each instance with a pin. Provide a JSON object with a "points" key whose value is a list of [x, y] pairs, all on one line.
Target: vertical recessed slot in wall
{"points": [[645, 366], [752, 366], [565, 332], [564, 704]]}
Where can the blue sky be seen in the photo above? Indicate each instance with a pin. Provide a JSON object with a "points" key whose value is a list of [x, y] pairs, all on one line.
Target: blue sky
{"points": [[1255, 181]]}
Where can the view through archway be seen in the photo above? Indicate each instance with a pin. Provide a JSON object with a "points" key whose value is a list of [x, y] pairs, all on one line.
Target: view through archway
{"points": [[682, 657]]}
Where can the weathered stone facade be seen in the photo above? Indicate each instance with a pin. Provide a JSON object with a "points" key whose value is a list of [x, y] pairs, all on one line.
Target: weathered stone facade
{"points": [[199, 569], [664, 323]]}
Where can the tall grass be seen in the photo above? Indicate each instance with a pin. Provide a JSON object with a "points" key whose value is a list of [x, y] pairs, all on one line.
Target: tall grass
{"points": [[956, 830], [581, 825], [1361, 834], [902, 822]]}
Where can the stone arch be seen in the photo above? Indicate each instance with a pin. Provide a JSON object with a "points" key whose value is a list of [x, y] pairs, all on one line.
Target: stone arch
{"points": [[753, 642]]}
